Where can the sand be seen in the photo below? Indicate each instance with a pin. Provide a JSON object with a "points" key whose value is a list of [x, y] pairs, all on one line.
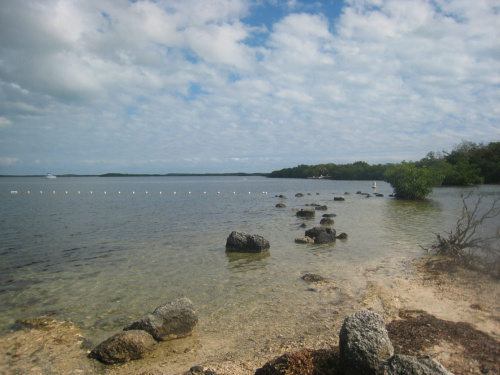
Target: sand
{"points": [[443, 292]]}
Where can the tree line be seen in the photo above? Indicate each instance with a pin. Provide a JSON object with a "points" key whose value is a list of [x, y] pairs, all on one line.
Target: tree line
{"points": [[468, 163]]}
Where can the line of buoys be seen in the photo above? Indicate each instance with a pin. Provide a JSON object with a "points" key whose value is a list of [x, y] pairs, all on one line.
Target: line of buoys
{"points": [[105, 192]]}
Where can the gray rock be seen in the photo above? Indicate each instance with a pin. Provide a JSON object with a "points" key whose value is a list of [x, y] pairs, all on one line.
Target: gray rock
{"points": [[241, 242], [299, 195], [364, 343], [327, 221], [338, 198], [175, 319], [306, 212], [321, 235], [280, 205], [124, 346], [321, 208], [404, 364]]}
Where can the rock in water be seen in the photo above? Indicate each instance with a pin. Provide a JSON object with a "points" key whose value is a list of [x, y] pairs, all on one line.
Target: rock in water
{"points": [[306, 212], [364, 343], [172, 320], [124, 347], [242, 242], [321, 234]]}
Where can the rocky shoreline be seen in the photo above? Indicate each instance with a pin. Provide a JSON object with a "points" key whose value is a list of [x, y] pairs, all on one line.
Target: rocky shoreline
{"points": [[449, 314]]}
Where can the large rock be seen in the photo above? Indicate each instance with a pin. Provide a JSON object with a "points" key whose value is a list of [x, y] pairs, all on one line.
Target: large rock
{"points": [[242, 242], [404, 364], [321, 235], [306, 212], [175, 319], [124, 346], [364, 343]]}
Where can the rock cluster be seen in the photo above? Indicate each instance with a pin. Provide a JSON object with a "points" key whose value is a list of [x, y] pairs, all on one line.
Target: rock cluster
{"points": [[364, 349], [171, 320]]}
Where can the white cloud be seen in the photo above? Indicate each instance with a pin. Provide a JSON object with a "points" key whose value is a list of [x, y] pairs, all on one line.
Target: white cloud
{"points": [[189, 83], [8, 161]]}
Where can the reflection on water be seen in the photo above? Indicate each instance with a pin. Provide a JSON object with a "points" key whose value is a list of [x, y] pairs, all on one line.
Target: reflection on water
{"points": [[411, 222], [242, 262]]}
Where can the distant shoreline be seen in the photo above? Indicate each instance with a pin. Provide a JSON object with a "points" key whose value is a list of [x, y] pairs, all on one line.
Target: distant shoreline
{"points": [[238, 174]]}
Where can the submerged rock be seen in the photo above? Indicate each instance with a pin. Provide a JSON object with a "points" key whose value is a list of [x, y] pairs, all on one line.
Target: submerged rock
{"points": [[242, 242], [313, 278], [280, 205], [124, 347], [321, 208], [175, 319], [304, 240]]}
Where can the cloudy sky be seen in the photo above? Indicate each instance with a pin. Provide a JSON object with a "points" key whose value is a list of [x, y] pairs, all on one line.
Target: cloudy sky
{"points": [[96, 86]]}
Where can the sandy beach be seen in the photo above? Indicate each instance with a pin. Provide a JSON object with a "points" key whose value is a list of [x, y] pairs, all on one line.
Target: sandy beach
{"points": [[433, 287]]}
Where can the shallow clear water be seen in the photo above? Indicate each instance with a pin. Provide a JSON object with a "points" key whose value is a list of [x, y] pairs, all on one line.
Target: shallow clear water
{"points": [[100, 255]]}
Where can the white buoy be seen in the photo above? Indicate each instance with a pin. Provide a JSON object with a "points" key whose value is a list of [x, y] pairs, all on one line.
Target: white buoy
{"points": [[133, 192], [160, 192], [204, 192], [175, 192], [374, 185], [119, 192], [78, 191], [41, 192], [218, 192], [91, 192], [234, 192], [29, 192], [66, 192], [53, 191]]}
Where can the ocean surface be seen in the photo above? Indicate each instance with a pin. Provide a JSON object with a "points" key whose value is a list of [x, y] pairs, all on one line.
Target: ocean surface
{"points": [[101, 252]]}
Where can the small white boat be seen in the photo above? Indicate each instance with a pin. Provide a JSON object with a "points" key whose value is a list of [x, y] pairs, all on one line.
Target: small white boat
{"points": [[50, 175]]}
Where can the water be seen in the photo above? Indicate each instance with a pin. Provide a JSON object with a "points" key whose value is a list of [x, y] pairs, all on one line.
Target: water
{"points": [[103, 251]]}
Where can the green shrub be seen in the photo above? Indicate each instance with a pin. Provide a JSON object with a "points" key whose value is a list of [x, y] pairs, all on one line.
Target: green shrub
{"points": [[412, 182]]}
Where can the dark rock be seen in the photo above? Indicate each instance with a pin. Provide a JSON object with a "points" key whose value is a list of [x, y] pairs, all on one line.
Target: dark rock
{"points": [[124, 346], [364, 343], [321, 235], [306, 212], [379, 195], [342, 236], [280, 205], [329, 215], [281, 196], [299, 195], [367, 195], [313, 278], [303, 225], [321, 208], [242, 242], [175, 319], [327, 221], [338, 198], [404, 364], [304, 240]]}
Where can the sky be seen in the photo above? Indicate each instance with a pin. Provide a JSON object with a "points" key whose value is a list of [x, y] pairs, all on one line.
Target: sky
{"points": [[218, 86]]}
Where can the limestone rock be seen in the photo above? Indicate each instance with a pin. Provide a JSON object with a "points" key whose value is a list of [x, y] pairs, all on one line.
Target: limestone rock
{"points": [[364, 343], [124, 346], [306, 213], [241, 242], [175, 319], [321, 235], [408, 365]]}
